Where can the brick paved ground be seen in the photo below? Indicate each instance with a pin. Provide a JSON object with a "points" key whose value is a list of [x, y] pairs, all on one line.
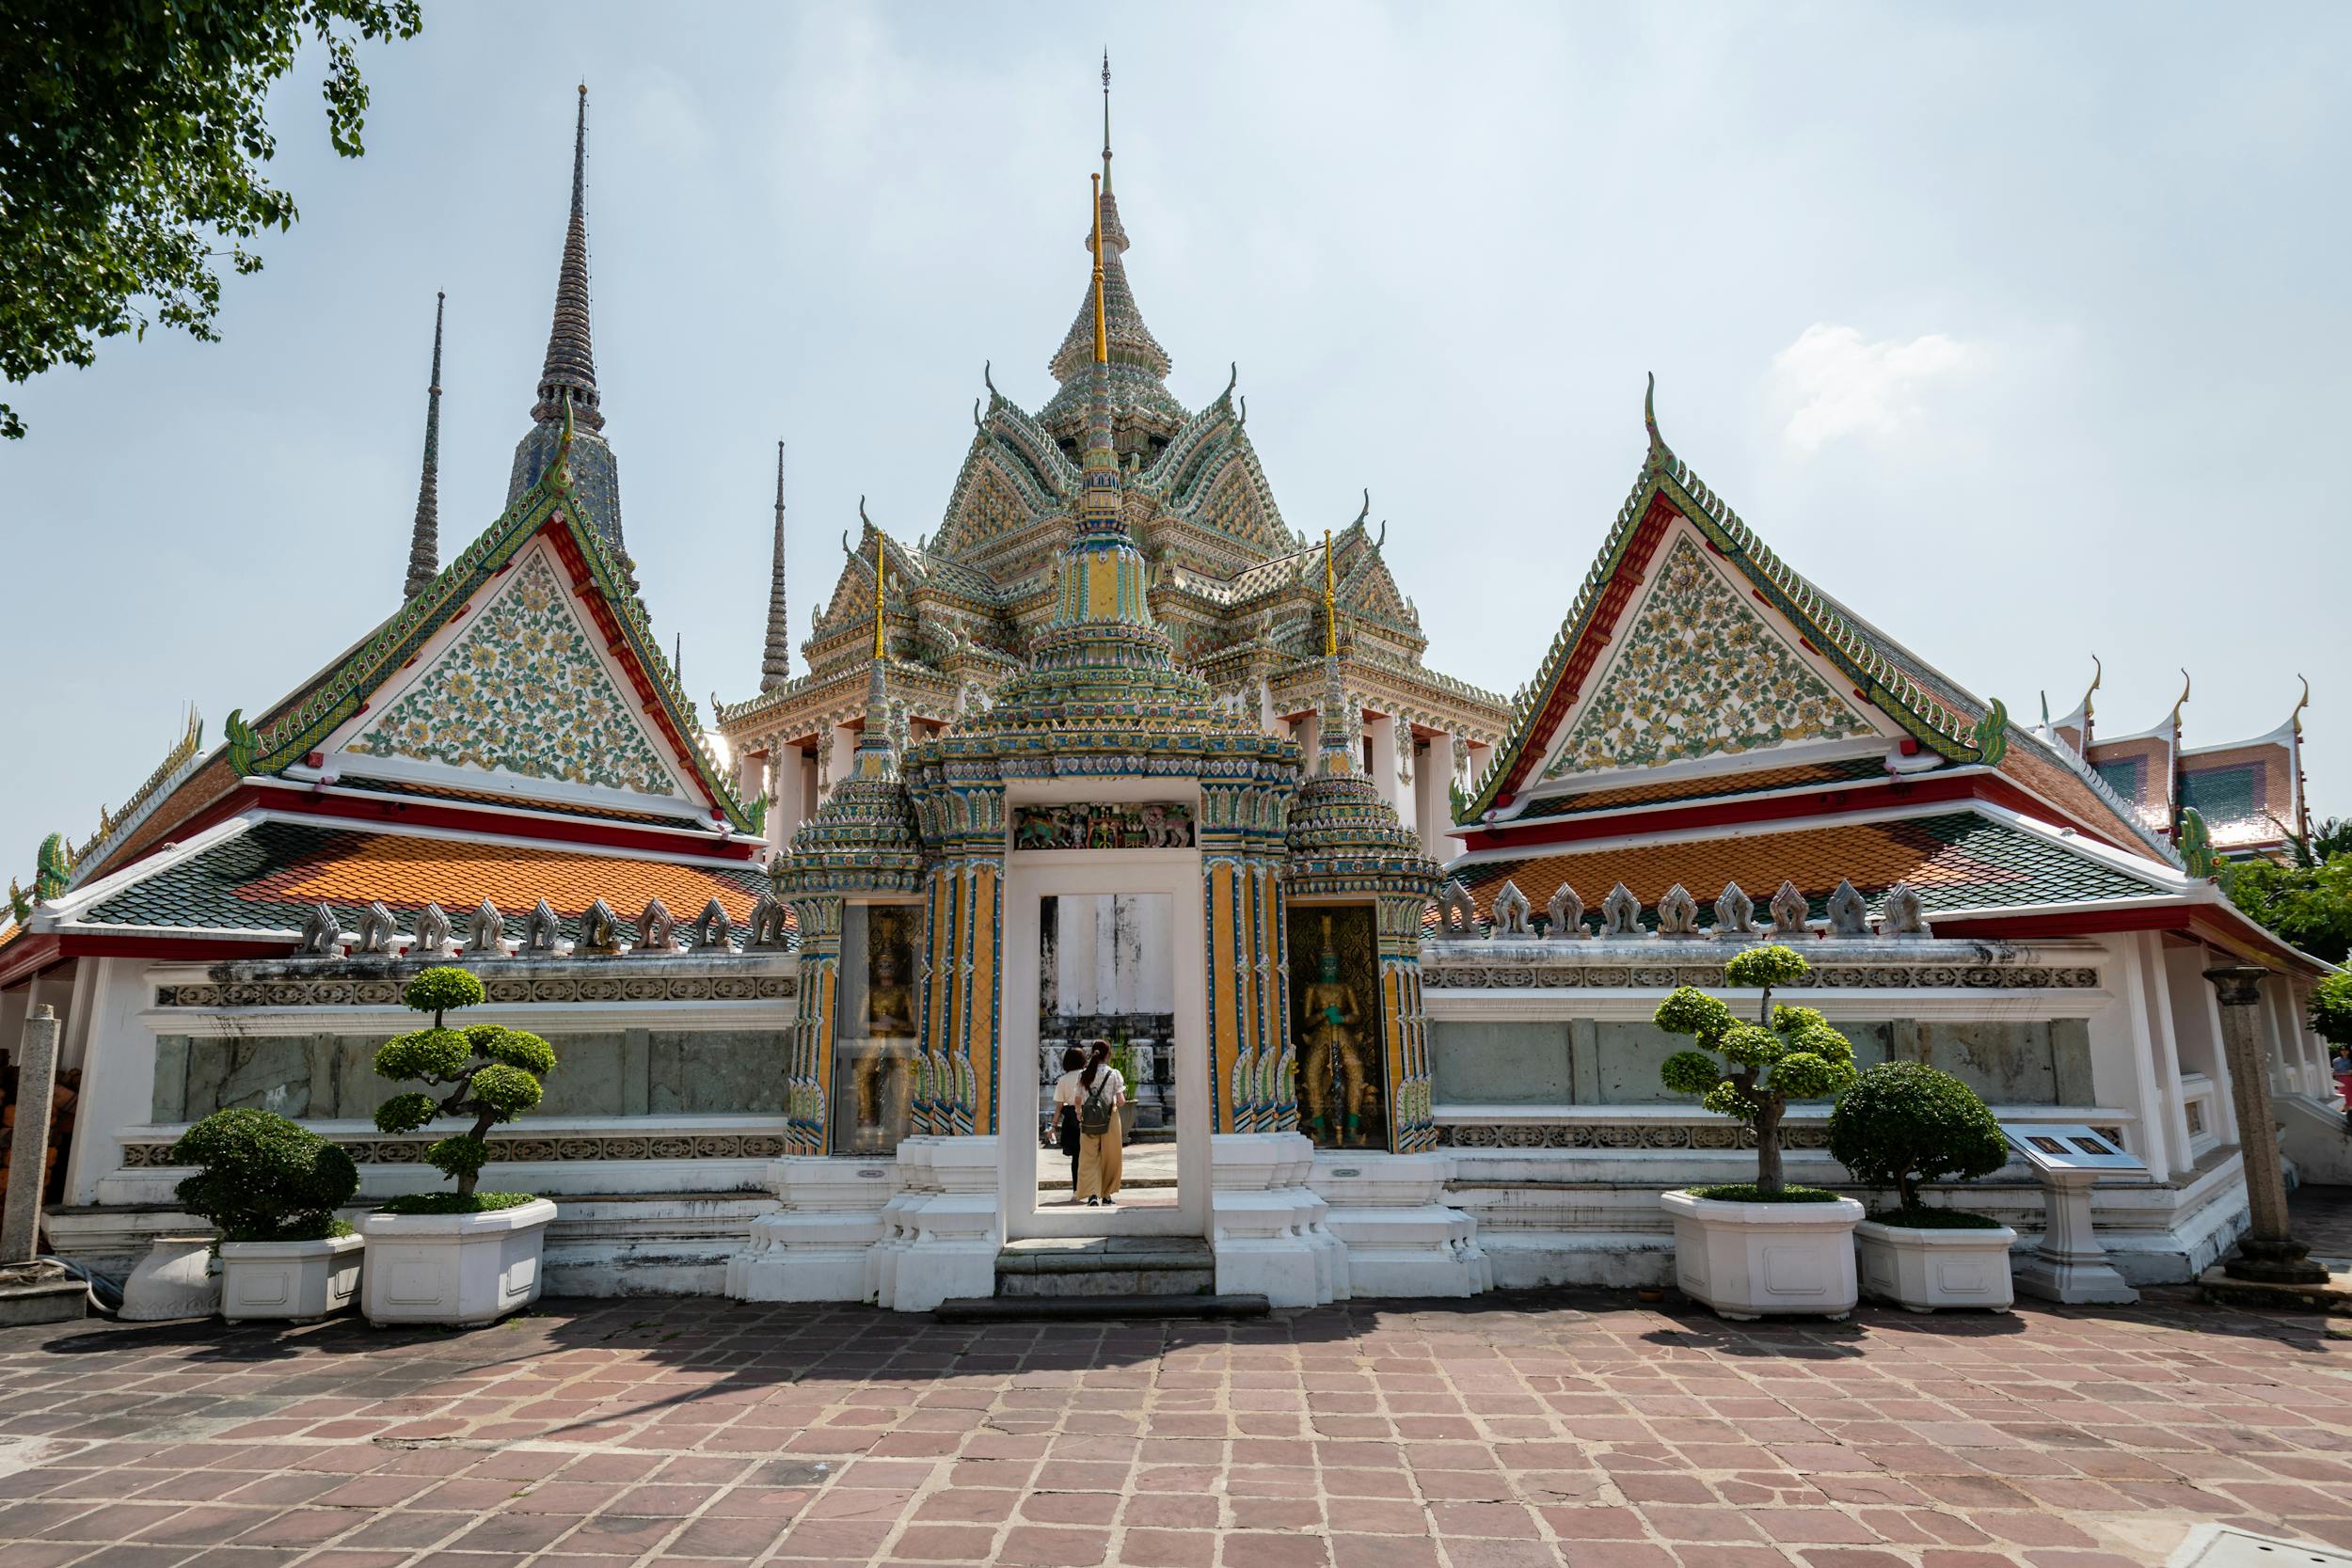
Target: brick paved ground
{"points": [[1530, 1428]]}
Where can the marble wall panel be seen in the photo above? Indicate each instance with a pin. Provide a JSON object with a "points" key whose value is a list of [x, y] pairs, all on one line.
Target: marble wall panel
{"points": [[1513, 1062], [716, 1071]]}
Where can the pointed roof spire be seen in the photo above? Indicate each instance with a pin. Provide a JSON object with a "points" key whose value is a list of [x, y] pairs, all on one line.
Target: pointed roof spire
{"points": [[776, 664], [1107, 123], [1132, 348], [571, 361], [425, 539]]}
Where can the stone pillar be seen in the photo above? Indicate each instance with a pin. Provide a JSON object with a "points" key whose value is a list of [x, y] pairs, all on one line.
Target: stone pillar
{"points": [[2268, 1251], [28, 1158]]}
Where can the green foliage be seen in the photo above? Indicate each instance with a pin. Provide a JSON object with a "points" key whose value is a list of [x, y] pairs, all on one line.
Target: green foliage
{"points": [[1741, 1192], [491, 1072], [1904, 1122], [2309, 905], [404, 1113], [1762, 968], [424, 1056], [131, 140], [2331, 1008], [460, 1156], [525, 1053], [262, 1179], [1790, 1054], [443, 988], [1934, 1219], [509, 1091], [454, 1203]]}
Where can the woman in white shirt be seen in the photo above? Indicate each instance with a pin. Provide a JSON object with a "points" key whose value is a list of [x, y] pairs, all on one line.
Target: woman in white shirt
{"points": [[1096, 1091]]}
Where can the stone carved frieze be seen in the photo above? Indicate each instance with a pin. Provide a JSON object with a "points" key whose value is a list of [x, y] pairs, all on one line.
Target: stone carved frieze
{"points": [[1119, 825]]}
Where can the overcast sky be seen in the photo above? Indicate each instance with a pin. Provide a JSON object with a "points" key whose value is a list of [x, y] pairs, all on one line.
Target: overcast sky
{"points": [[2022, 329]]}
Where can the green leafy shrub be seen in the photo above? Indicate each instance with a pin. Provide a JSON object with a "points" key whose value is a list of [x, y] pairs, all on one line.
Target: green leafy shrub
{"points": [[1747, 1192], [2331, 1008], [262, 1179], [491, 1072], [1787, 1053], [1935, 1219], [1904, 1122], [454, 1203]]}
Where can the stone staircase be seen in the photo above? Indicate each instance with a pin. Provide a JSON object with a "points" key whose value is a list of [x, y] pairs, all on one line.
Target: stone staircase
{"points": [[1104, 1277]]}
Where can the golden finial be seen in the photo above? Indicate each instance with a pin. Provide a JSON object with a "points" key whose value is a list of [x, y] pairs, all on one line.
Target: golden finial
{"points": [[1330, 601], [1102, 342], [882, 585]]}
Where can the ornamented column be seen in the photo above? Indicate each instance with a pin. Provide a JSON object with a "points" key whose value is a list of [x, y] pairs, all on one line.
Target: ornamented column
{"points": [[960, 1023], [1241, 844], [2268, 1252]]}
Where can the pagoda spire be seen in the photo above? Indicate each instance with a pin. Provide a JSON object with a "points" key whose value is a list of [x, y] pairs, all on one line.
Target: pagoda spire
{"points": [[776, 664], [568, 376], [424, 540], [1333, 755], [571, 361], [1133, 349]]}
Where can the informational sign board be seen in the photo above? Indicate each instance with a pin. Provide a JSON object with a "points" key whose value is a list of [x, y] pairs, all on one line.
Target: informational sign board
{"points": [[2061, 1145]]}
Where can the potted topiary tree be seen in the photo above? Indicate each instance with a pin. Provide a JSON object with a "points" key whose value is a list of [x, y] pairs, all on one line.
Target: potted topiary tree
{"points": [[464, 1256], [1901, 1124], [1751, 1248], [272, 1188]]}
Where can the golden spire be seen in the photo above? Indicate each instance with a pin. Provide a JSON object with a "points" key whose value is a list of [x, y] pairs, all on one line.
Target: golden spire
{"points": [[881, 584], [1330, 601], [1101, 339]]}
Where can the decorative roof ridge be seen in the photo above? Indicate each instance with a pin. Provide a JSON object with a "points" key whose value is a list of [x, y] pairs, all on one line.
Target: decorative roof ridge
{"points": [[1051, 472], [293, 726], [186, 755], [1166, 476], [1844, 639]]}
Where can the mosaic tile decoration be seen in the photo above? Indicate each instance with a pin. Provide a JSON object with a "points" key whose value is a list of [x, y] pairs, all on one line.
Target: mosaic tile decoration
{"points": [[523, 693], [1698, 673]]}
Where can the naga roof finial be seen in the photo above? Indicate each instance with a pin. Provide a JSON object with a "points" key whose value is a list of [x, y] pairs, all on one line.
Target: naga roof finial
{"points": [[2178, 704], [2098, 673], [1232, 379], [2301, 702], [1367, 508], [988, 381]]}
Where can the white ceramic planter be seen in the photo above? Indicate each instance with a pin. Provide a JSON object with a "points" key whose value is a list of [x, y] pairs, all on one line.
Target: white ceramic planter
{"points": [[173, 1280], [301, 1280], [462, 1269], [1748, 1260], [1928, 1270]]}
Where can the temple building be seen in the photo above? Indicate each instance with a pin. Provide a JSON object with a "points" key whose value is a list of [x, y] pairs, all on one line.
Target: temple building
{"points": [[2248, 795], [1115, 761]]}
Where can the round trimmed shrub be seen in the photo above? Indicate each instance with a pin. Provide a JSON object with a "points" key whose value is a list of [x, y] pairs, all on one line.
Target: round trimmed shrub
{"points": [[1905, 1122], [2331, 1008], [264, 1179]]}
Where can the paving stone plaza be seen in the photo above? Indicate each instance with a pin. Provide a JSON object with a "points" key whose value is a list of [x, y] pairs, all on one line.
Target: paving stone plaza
{"points": [[1527, 1428]]}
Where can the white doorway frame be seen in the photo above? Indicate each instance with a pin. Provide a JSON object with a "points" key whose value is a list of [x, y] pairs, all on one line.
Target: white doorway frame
{"points": [[1030, 877]]}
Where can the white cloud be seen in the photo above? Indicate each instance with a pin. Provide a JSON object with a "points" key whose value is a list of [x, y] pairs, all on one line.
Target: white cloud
{"points": [[1834, 384]]}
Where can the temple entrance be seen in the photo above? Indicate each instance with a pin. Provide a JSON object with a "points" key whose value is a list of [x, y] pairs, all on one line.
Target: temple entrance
{"points": [[1106, 946]]}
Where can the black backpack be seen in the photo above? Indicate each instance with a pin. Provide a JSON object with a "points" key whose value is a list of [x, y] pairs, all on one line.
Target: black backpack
{"points": [[1094, 1114]]}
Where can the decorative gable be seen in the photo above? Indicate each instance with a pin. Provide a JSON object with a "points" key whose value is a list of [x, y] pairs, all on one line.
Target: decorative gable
{"points": [[1699, 673], [523, 691]]}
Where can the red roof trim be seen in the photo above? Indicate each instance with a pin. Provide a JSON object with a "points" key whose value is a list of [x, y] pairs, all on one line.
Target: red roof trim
{"points": [[1627, 577]]}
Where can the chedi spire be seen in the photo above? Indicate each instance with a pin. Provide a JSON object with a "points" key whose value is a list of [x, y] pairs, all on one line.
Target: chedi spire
{"points": [[425, 539], [776, 663], [568, 376]]}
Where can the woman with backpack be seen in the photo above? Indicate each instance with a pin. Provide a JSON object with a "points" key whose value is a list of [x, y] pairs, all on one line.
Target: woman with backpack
{"points": [[1066, 1111], [1098, 1091]]}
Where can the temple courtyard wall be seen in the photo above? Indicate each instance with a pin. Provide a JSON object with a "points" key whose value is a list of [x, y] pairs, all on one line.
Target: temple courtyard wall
{"points": [[662, 1134]]}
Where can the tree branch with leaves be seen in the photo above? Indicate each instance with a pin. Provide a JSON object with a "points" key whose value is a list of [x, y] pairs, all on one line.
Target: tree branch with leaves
{"points": [[131, 140]]}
